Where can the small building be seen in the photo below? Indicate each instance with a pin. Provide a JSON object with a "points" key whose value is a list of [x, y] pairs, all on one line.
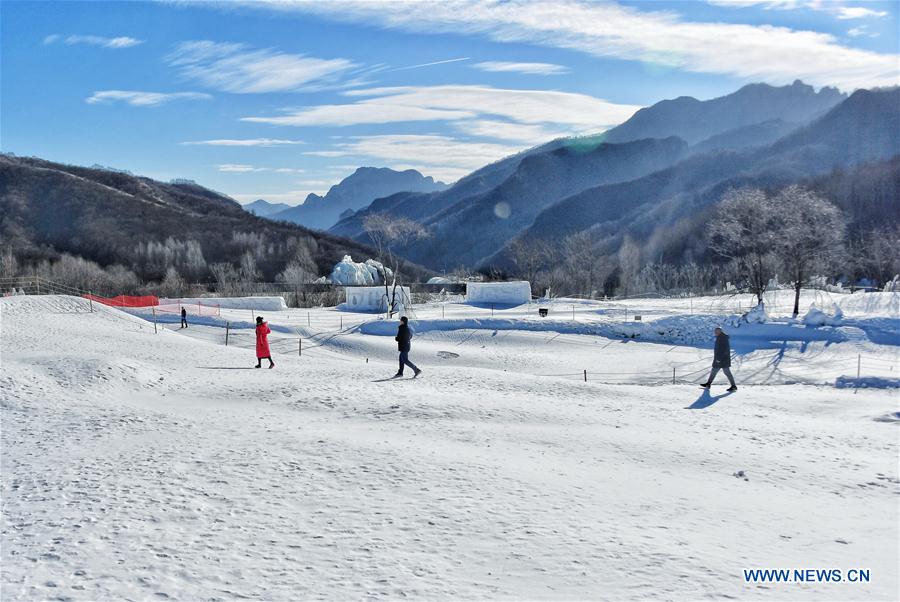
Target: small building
{"points": [[499, 293], [372, 298]]}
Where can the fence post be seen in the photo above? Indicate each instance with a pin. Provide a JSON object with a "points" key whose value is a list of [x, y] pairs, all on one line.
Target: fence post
{"points": [[858, 370], [673, 375], [585, 376], [39, 285], [308, 322], [227, 329], [342, 323], [573, 313], [153, 309], [442, 311], [492, 310], [300, 346], [691, 297], [91, 301]]}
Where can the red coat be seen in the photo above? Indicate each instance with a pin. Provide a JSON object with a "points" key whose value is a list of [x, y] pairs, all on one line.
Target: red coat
{"points": [[262, 341]]}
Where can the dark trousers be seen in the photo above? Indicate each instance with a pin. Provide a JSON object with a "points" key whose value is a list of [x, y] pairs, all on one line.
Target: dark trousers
{"points": [[184, 322], [404, 361], [727, 371]]}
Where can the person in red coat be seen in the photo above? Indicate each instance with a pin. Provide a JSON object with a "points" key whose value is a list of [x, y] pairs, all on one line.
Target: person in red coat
{"points": [[262, 343]]}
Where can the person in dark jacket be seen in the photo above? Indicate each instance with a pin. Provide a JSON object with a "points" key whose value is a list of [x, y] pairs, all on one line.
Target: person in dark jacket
{"points": [[403, 338], [183, 318], [721, 360]]}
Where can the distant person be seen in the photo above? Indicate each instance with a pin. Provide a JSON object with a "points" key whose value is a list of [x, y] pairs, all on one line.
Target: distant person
{"points": [[403, 338], [183, 318], [721, 360], [262, 343]]}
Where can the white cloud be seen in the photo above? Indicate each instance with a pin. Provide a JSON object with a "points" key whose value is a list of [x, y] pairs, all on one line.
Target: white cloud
{"points": [[242, 168], [861, 30], [752, 52], [246, 142], [859, 12], [142, 99], [240, 69], [529, 68], [835, 7], [472, 108], [117, 42]]}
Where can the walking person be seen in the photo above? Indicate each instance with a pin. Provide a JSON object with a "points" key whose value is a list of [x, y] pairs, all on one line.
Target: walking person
{"points": [[183, 318], [262, 343], [403, 338], [721, 360]]}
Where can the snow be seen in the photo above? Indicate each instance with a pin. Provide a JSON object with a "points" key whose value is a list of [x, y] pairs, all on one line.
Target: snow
{"points": [[255, 303], [500, 293], [141, 465], [351, 273]]}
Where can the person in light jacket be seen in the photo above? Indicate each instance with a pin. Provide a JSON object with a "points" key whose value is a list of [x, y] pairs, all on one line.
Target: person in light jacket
{"points": [[721, 360], [403, 338], [262, 343]]}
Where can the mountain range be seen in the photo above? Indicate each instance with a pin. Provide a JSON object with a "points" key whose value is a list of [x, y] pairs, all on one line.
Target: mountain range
{"points": [[355, 192], [264, 208], [113, 217], [646, 176]]}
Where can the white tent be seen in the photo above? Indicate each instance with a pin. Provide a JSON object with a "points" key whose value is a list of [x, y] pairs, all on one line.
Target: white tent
{"points": [[500, 293], [372, 298]]}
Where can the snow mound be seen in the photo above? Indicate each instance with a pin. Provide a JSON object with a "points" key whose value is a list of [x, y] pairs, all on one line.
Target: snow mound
{"points": [[817, 317], [757, 315], [255, 303], [351, 273]]}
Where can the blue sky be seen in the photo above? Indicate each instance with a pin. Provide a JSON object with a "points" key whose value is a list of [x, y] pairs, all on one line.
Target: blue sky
{"points": [[278, 99]]}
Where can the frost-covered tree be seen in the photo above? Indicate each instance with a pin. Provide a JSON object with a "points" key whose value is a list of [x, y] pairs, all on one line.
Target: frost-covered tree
{"points": [[9, 266], [388, 233], [810, 235], [629, 257], [173, 285], [745, 230]]}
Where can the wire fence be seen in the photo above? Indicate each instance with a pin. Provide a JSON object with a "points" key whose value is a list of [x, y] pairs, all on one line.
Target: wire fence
{"points": [[320, 334]]}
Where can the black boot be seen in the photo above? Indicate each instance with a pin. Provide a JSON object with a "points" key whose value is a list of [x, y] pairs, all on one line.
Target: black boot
{"points": [[705, 385]]}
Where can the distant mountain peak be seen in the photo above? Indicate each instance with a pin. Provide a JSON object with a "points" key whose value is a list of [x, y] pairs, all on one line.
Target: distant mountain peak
{"points": [[356, 192]]}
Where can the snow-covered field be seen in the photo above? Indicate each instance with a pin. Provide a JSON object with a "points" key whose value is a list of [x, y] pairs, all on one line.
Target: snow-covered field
{"points": [[140, 465]]}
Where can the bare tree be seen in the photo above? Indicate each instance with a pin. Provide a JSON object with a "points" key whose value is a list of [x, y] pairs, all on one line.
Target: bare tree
{"points": [[583, 269], [529, 257], [294, 275], [745, 230], [811, 235], [389, 233]]}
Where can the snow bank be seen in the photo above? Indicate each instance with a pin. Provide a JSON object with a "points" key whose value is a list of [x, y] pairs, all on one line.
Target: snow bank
{"points": [[866, 382], [351, 273], [256, 303], [501, 293]]}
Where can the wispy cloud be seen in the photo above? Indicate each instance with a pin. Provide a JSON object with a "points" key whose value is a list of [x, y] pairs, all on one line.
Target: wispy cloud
{"points": [[753, 52], [242, 168], [838, 8], [860, 31], [529, 68], [242, 142], [472, 108], [239, 69], [142, 99], [117, 42]]}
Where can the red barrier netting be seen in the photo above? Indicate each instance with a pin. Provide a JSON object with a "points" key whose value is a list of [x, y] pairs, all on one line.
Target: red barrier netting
{"points": [[125, 300]]}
